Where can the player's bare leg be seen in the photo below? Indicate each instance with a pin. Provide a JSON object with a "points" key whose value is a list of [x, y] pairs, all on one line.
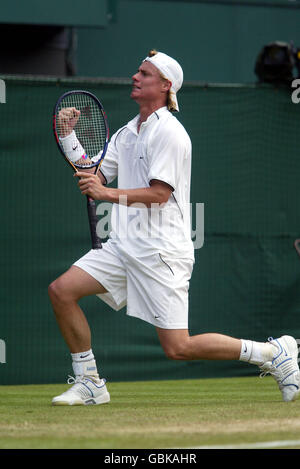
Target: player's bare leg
{"points": [[277, 357], [64, 294], [179, 345]]}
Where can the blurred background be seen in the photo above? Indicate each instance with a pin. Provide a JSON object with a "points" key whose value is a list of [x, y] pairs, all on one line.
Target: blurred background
{"points": [[215, 41], [239, 60]]}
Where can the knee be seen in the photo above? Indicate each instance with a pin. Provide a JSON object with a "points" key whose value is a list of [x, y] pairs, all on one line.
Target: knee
{"points": [[58, 292], [54, 291], [176, 352]]}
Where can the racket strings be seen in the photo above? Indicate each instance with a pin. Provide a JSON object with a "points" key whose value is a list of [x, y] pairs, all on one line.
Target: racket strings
{"points": [[90, 128]]}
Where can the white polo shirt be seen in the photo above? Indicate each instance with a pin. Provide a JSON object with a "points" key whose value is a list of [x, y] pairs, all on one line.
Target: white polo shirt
{"points": [[161, 150]]}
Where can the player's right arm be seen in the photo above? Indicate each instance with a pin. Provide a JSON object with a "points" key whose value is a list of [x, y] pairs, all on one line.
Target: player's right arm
{"points": [[67, 120]]}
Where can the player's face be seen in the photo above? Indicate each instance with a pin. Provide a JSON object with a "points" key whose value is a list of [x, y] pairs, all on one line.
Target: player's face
{"points": [[147, 84]]}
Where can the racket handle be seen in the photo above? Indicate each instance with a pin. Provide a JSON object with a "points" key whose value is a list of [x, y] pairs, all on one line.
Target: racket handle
{"points": [[91, 208]]}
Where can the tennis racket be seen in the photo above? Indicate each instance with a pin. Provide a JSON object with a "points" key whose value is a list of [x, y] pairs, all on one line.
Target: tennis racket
{"points": [[81, 132]]}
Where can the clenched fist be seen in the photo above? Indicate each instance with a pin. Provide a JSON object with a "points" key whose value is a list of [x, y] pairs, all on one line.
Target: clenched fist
{"points": [[67, 119]]}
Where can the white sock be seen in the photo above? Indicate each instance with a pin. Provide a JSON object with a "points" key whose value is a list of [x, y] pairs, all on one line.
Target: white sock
{"points": [[84, 364], [256, 353]]}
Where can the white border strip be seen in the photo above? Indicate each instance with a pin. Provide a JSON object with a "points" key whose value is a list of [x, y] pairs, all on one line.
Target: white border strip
{"points": [[258, 445]]}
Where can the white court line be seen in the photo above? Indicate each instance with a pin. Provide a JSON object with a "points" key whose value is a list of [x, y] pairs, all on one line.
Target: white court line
{"points": [[258, 445]]}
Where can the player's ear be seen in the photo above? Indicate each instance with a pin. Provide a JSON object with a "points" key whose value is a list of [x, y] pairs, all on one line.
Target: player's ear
{"points": [[166, 85]]}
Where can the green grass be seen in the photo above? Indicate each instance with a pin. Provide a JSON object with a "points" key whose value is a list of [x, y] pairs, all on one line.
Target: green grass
{"points": [[150, 415]]}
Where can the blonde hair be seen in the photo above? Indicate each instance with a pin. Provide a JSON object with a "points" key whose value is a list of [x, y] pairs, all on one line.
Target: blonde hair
{"points": [[170, 103]]}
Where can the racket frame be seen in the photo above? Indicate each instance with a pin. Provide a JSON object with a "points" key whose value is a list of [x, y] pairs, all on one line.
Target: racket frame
{"points": [[91, 205]]}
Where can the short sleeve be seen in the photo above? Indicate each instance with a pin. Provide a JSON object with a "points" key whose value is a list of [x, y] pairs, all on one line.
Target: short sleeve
{"points": [[109, 166], [168, 150]]}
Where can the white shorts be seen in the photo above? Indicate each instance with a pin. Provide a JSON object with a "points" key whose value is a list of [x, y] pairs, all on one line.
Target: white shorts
{"points": [[154, 287]]}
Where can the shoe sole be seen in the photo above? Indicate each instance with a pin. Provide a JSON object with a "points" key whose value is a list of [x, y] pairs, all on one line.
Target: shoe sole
{"points": [[105, 399], [292, 346], [295, 396]]}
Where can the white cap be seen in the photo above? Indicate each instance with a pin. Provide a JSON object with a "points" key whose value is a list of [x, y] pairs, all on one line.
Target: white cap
{"points": [[171, 70]]}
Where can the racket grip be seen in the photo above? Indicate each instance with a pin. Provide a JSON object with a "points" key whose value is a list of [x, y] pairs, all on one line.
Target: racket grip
{"points": [[91, 209]]}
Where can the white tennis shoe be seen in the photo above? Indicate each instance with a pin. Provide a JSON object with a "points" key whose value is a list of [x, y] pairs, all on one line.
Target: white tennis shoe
{"points": [[85, 391], [284, 367]]}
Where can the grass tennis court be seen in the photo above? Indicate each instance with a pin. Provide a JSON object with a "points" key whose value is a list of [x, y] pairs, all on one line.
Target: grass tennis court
{"points": [[154, 414]]}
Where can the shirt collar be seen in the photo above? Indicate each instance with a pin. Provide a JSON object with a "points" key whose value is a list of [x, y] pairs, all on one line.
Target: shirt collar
{"points": [[132, 125]]}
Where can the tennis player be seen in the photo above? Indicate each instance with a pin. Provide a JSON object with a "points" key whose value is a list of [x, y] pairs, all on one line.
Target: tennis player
{"points": [[148, 259]]}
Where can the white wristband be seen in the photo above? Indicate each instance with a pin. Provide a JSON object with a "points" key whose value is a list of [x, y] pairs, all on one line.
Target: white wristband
{"points": [[72, 147]]}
